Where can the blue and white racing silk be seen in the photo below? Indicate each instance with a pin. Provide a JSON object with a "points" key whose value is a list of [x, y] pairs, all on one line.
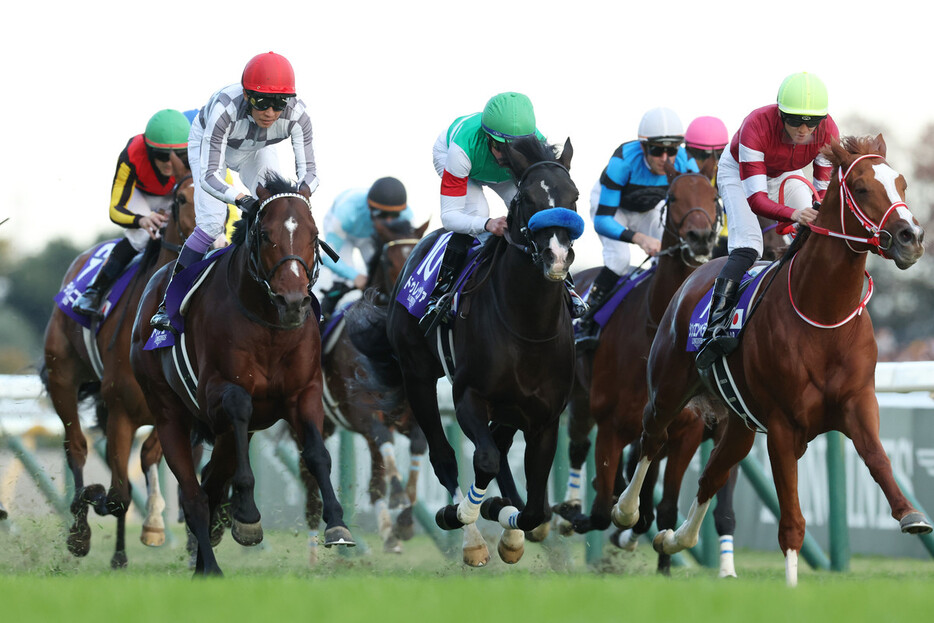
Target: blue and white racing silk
{"points": [[347, 226]]}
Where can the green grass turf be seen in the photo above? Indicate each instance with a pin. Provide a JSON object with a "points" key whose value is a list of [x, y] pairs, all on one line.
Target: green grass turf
{"points": [[40, 581]]}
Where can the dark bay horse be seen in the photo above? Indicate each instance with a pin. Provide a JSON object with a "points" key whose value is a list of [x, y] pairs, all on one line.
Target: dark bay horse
{"points": [[77, 365], [806, 362], [611, 380], [255, 358], [513, 351], [346, 407]]}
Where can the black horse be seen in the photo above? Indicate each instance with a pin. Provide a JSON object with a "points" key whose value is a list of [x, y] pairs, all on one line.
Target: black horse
{"points": [[512, 357]]}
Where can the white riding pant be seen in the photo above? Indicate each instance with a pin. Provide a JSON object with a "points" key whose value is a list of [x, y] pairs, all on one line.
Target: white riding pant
{"points": [[744, 230], [145, 204], [251, 166], [616, 253]]}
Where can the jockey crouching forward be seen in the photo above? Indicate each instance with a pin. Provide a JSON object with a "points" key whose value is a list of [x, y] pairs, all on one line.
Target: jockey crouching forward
{"points": [[773, 143], [140, 197], [626, 204], [348, 227], [469, 155], [237, 129]]}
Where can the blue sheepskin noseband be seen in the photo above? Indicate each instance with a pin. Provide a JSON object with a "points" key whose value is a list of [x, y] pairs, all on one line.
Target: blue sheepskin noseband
{"points": [[558, 217]]}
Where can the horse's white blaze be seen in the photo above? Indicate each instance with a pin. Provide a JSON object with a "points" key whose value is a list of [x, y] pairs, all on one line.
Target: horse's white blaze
{"points": [[291, 225], [551, 200], [887, 176], [560, 253]]}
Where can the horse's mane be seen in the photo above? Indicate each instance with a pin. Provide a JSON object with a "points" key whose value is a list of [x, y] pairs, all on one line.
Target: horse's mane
{"points": [[150, 255], [275, 184]]}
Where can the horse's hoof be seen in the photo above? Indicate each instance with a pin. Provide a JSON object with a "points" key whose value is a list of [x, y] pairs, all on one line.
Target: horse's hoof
{"points": [[392, 545], [540, 533], [476, 556], [118, 561], [511, 546], [626, 540], [568, 509], [915, 523], [338, 535], [404, 530], [79, 539], [247, 533], [624, 520], [398, 498], [563, 526], [96, 497], [152, 537], [658, 543]]}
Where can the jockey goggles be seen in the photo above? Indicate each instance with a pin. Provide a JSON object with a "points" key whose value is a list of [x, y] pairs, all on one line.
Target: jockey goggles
{"points": [[163, 155], [702, 154], [264, 101], [658, 150], [796, 121]]}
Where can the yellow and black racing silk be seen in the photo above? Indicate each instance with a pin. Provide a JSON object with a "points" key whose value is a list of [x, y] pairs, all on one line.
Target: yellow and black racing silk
{"points": [[135, 171]]}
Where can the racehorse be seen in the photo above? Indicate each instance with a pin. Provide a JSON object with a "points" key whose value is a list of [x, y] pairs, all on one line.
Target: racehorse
{"points": [[395, 240], [611, 380], [807, 358], [512, 346], [253, 358], [78, 366]]}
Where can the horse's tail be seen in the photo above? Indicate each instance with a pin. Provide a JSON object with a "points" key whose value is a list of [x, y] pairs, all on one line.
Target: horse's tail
{"points": [[381, 376]]}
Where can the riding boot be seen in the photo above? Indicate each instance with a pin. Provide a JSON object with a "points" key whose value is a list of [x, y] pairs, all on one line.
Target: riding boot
{"points": [[160, 320], [331, 297], [717, 340], [587, 329], [440, 301], [577, 305], [89, 303]]}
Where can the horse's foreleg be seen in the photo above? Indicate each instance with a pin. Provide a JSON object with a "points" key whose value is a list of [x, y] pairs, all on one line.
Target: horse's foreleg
{"points": [[785, 446], [153, 533], [313, 509], [418, 446], [119, 441], [862, 426], [246, 528], [725, 521], [423, 398], [318, 460]]}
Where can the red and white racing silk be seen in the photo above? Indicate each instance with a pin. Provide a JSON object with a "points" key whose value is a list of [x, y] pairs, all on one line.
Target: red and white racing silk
{"points": [[763, 150]]}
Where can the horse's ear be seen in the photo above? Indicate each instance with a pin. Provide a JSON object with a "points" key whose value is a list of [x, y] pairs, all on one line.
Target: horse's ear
{"points": [[670, 171], [179, 166], [566, 154], [421, 230], [305, 191], [262, 193], [878, 145], [837, 152], [513, 156], [382, 232], [710, 168]]}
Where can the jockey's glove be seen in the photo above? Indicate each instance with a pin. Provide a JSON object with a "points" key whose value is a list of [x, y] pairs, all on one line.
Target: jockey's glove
{"points": [[247, 203]]}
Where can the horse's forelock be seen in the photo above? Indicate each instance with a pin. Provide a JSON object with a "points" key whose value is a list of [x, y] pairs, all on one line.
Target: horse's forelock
{"points": [[275, 185], [532, 151]]}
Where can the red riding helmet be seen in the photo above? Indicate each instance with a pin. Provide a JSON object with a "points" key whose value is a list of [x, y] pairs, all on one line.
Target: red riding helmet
{"points": [[269, 73]]}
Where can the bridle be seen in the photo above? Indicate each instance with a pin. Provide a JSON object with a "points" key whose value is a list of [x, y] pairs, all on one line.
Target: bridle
{"points": [[176, 248], [254, 263], [683, 248], [382, 258], [530, 247]]}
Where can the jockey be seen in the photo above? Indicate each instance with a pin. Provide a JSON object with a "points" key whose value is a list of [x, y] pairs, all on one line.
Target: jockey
{"points": [[706, 137], [348, 226], [626, 203], [773, 143], [468, 156], [140, 197], [237, 129]]}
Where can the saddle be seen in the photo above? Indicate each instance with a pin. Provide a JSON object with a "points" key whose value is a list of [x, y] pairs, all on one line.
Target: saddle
{"points": [[419, 286]]}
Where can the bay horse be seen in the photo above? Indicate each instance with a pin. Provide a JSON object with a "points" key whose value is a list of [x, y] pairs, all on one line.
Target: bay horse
{"points": [[346, 407], [254, 357], [513, 351], [74, 368], [610, 382], [806, 363]]}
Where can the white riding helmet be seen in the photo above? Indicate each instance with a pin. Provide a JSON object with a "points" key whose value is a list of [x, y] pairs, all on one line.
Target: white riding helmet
{"points": [[661, 125]]}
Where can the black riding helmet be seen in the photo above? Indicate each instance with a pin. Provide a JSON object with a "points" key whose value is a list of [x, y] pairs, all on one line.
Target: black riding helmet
{"points": [[387, 194]]}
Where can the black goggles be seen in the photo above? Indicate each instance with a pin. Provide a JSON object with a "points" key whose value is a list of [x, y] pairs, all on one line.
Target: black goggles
{"points": [[658, 150], [796, 121], [261, 101], [702, 154], [163, 155], [383, 214]]}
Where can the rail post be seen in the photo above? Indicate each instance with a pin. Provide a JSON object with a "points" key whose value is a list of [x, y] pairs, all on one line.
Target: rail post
{"points": [[836, 485]]}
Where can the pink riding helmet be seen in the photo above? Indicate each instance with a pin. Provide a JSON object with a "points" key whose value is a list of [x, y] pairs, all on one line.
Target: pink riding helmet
{"points": [[706, 133]]}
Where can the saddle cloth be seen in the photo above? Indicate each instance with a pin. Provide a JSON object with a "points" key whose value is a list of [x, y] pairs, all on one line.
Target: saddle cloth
{"points": [[76, 287], [626, 284], [418, 287]]}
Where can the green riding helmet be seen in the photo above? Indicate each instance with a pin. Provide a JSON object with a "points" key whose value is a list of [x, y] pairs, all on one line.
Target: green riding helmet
{"points": [[167, 129], [803, 94], [508, 116]]}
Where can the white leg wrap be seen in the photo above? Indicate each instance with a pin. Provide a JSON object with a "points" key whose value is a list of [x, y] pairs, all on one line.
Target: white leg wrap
{"points": [[155, 503], [791, 568], [626, 512], [574, 485], [508, 517], [726, 557], [468, 511], [383, 520]]}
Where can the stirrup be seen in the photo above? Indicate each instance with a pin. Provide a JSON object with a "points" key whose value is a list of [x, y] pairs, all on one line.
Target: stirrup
{"points": [[435, 315], [87, 305], [160, 320], [714, 348]]}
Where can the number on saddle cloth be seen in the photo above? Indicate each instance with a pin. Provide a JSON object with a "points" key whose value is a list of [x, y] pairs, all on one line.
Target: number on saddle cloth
{"points": [[415, 292]]}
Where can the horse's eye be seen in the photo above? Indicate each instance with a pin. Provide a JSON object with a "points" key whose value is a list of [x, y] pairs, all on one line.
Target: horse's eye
{"points": [[263, 236]]}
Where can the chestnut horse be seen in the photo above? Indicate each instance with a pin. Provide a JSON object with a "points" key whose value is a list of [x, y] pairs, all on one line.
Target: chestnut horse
{"points": [[614, 375], [512, 351], [806, 363], [69, 373], [254, 358], [346, 407]]}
